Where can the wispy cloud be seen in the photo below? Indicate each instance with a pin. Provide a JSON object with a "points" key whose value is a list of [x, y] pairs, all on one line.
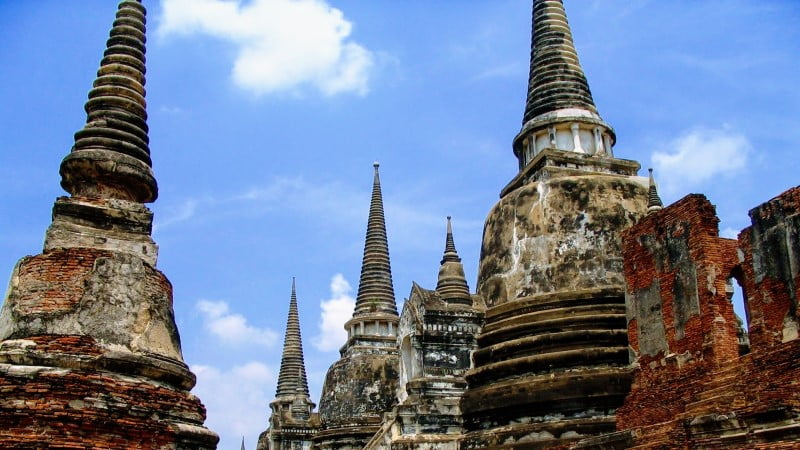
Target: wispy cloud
{"points": [[508, 70], [281, 44], [179, 213], [412, 222], [335, 312], [331, 200], [232, 328], [699, 155], [237, 400]]}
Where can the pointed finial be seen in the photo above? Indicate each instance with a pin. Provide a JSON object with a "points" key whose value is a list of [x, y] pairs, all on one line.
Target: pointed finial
{"points": [[450, 253], [292, 374], [452, 284], [557, 80], [242, 443], [376, 178], [653, 200], [375, 288], [111, 155]]}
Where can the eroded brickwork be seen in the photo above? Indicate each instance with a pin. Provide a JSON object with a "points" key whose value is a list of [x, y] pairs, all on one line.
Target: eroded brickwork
{"points": [[66, 408], [691, 388], [771, 269], [90, 355]]}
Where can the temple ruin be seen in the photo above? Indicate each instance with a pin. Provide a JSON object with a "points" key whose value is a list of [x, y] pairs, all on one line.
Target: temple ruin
{"points": [[601, 318]]}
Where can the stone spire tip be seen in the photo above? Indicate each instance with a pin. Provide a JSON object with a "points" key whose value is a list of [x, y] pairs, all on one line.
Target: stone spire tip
{"points": [[375, 288], [292, 375], [452, 284], [654, 202], [111, 155], [450, 253]]}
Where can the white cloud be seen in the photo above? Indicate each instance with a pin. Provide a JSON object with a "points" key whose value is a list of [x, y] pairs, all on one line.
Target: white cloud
{"points": [[233, 328], [281, 44], [236, 399], [699, 155], [335, 312]]}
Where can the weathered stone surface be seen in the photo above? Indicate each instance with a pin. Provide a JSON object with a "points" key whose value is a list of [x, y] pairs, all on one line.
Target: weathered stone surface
{"points": [[118, 299], [359, 389], [110, 224], [551, 366], [557, 235]]}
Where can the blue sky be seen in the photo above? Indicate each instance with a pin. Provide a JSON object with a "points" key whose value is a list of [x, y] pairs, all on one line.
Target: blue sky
{"points": [[266, 116]]}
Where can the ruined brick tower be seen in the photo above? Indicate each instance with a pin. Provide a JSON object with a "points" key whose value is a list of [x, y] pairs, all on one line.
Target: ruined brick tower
{"points": [[89, 350], [361, 385], [293, 422], [552, 358]]}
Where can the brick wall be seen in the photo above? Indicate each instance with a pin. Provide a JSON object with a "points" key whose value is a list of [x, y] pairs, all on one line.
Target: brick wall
{"points": [[771, 252], [690, 387], [74, 409]]}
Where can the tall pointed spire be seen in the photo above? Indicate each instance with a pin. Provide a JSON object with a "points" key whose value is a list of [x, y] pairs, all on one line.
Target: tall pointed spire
{"points": [[111, 155], [653, 200], [556, 78], [375, 289], [450, 253], [560, 113], [452, 284], [360, 387], [92, 309], [292, 376]]}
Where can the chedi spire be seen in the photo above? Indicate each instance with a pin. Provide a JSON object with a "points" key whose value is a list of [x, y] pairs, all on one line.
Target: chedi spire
{"points": [[292, 376], [111, 155], [452, 284], [92, 314], [560, 113], [556, 80], [360, 387], [653, 200], [375, 289]]}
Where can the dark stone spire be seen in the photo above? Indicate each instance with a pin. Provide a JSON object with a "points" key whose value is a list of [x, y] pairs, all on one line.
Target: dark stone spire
{"points": [[92, 314], [292, 376], [556, 78], [111, 155], [360, 387], [450, 253], [375, 289], [560, 114], [452, 284], [653, 200]]}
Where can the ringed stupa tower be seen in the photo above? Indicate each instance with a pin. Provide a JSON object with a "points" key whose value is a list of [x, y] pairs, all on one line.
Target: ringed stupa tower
{"points": [[89, 351], [361, 385], [293, 421], [552, 359]]}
